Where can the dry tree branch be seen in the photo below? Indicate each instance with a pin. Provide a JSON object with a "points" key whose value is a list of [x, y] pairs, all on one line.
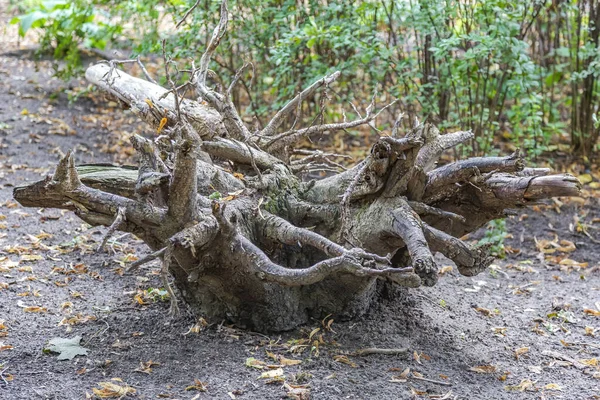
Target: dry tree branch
{"points": [[282, 114], [187, 13]]}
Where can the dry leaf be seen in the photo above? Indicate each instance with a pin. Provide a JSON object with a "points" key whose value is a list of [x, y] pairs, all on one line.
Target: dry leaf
{"points": [[146, 367], [524, 385], [109, 390], [4, 347], [254, 363], [35, 309], [297, 392], [345, 360], [198, 385], [520, 351], [592, 362], [272, 374], [31, 257], [589, 331], [483, 369], [552, 386], [590, 311], [445, 269], [484, 311], [286, 361]]}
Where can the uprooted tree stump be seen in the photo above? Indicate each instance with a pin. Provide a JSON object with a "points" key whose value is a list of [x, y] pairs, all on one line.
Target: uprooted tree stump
{"points": [[247, 239]]}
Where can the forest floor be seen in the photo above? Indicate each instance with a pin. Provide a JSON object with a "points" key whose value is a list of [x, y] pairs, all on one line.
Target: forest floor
{"points": [[526, 328]]}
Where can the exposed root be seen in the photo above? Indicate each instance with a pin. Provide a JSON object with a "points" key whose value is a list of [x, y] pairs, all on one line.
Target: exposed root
{"points": [[243, 236], [119, 220]]}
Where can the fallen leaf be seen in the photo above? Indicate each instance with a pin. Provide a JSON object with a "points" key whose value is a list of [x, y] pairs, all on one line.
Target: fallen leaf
{"points": [[35, 309], [286, 361], [344, 360], [254, 363], [445, 269], [520, 351], [592, 362], [274, 373], [146, 367], [590, 311], [198, 385], [589, 331], [484, 311], [297, 392], [483, 369], [4, 347], [31, 257], [67, 348], [552, 386], [524, 385], [109, 390]]}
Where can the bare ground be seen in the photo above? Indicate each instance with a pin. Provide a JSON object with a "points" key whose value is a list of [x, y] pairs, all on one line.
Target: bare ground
{"points": [[524, 319]]}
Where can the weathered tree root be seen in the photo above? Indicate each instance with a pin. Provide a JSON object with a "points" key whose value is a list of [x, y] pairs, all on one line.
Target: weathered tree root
{"points": [[246, 239]]}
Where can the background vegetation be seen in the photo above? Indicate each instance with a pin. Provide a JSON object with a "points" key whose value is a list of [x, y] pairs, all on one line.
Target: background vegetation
{"points": [[522, 72]]}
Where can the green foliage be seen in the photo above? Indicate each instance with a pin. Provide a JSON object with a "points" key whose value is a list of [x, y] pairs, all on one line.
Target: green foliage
{"points": [[157, 294], [65, 26], [522, 71], [495, 234]]}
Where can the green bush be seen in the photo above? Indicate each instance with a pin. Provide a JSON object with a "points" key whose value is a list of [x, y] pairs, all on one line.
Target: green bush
{"points": [[66, 25], [520, 71]]}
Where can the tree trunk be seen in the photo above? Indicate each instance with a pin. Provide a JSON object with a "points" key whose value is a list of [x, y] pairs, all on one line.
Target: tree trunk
{"points": [[245, 238]]}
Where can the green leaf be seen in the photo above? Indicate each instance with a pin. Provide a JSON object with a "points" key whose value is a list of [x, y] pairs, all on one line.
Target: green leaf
{"points": [[67, 348], [27, 21]]}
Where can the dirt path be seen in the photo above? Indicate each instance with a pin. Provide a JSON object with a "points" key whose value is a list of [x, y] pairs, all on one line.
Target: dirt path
{"points": [[524, 321]]}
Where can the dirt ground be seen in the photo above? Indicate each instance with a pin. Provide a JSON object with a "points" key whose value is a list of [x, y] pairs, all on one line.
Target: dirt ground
{"points": [[527, 328]]}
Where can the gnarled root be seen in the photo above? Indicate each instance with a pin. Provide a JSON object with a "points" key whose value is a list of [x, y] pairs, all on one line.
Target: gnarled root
{"points": [[246, 239]]}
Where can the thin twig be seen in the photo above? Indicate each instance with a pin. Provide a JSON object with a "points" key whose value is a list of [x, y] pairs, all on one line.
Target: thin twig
{"points": [[418, 378], [145, 71], [152, 256], [119, 220], [170, 80], [187, 13], [375, 350]]}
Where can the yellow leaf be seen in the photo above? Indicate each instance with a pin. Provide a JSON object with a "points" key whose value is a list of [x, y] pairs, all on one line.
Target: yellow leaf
{"points": [[524, 385], [162, 124], [483, 369], [110, 390], [313, 332], [592, 362], [589, 331], [573, 263], [520, 351], [274, 373], [445, 269], [4, 347], [345, 360], [35, 309], [585, 178], [590, 311], [198, 385], [552, 386], [286, 361], [31, 257], [566, 246], [254, 363]]}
